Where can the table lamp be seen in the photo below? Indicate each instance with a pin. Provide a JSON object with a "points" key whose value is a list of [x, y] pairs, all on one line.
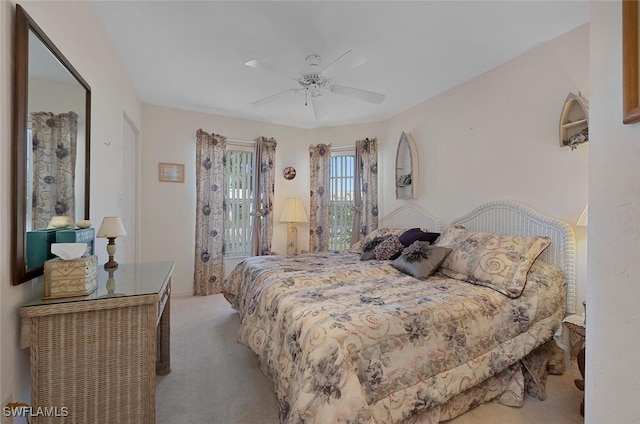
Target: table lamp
{"points": [[292, 214], [111, 228]]}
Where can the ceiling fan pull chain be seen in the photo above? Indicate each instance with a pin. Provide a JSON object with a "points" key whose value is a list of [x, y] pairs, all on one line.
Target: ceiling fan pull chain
{"points": [[306, 92]]}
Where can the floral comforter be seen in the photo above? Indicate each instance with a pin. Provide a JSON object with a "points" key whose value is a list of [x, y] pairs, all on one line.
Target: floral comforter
{"points": [[350, 341]]}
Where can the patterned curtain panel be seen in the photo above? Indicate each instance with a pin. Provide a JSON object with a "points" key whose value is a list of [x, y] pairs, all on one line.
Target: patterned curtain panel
{"points": [[210, 209], [366, 201], [263, 196], [53, 166], [320, 162]]}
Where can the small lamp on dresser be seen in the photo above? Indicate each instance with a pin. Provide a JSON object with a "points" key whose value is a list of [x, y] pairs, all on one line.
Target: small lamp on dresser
{"points": [[292, 214], [111, 229]]}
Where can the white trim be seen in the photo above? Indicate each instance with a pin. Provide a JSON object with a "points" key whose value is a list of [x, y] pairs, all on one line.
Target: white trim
{"points": [[241, 142], [343, 149], [241, 145]]}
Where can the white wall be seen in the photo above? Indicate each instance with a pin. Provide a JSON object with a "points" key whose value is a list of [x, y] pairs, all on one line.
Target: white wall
{"points": [[76, 31], [613, 338]]}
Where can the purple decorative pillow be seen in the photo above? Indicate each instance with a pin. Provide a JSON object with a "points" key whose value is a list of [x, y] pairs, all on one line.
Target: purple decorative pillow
{"points": [[416, 234], [389, 249]]}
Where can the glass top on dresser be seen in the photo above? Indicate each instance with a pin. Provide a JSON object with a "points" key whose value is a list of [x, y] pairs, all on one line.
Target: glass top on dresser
{"points": [[126, 280]]}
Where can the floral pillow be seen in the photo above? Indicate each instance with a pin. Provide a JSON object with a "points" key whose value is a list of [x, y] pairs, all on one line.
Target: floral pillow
{"points": [[368, 250], [420, 259], [380, 232], [498, 261], [389, 248]]}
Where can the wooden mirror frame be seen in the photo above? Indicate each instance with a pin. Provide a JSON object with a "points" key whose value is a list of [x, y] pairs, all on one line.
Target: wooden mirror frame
{"points": [[24, 24], [630, 68]]}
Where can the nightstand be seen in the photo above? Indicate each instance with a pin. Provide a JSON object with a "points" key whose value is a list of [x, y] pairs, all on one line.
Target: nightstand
{"points": [[578, 331]]}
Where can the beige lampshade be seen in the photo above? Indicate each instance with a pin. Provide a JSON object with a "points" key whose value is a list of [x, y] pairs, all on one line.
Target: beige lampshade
{"points": [[111, 227], [293, 211], [584, 218]]}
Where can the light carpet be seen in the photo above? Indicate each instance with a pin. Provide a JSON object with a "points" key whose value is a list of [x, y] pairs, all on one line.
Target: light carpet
{"points": [[216, 380]]}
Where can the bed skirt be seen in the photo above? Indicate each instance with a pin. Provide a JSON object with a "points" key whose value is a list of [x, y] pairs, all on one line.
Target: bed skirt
{"points": [[507, 387]]}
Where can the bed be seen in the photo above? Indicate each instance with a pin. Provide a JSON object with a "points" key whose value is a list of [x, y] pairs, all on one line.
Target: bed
{"points": [[351, 341]]}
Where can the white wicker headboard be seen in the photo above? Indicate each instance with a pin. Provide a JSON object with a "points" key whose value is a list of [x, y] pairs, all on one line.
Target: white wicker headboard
{"points": [[412, 216], [509, 217]]}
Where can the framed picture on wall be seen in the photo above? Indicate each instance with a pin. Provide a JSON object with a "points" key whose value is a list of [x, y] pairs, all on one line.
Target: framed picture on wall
{"points": [[171, 172], [630, 68]]}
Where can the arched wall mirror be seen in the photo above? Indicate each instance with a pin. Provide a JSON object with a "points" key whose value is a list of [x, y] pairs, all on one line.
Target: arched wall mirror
{"points": [[406, 167], [51, 139]]}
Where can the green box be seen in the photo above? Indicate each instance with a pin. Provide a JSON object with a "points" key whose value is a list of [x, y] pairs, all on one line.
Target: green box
{"points": [[78, 235], [39, 247]]}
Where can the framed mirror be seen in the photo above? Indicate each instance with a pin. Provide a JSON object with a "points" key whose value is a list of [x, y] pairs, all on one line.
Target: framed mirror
{"points": [[406, 167], [51, 139]]}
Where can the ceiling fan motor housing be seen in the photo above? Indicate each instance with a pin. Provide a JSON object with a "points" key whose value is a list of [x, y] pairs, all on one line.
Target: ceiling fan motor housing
{"points": [[311, 76], [312, 81]]}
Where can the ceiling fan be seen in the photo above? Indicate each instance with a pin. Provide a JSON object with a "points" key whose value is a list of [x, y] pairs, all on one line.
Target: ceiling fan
{"points": [[313, 78]]}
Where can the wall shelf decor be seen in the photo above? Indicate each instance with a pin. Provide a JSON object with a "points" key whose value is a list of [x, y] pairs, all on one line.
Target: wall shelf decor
{"points": [[574, 121], [406, 167]]}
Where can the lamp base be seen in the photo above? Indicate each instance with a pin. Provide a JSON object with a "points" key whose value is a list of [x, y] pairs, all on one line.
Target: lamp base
{"points": [[292, 238], [111, 264], [111, 251]]}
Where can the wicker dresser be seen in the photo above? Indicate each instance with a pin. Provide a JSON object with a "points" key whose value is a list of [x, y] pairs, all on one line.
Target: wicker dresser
{"points": [[97, 356]]}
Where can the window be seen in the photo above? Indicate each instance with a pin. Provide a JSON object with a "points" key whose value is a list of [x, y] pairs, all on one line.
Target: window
{"points": [[239, 200], [341, 183]]}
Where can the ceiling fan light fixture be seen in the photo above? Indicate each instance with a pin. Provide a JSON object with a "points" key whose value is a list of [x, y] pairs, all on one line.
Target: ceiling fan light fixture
{"points": [[313, 78]]}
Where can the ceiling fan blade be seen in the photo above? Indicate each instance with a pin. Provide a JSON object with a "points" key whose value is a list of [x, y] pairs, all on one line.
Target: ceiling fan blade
{"points": [[346, 62], [319, 106], [367, 96], [265, 66], [273, 97]]}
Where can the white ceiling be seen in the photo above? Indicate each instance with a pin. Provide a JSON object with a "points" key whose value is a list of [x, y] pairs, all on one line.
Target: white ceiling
{"points": [[191, 54]]}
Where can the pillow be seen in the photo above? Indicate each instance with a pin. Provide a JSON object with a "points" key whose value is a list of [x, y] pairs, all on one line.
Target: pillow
{"points": [[368, 251], [380, 232], [420, 259], [408, 237], [498, 261], [389, 249]]}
